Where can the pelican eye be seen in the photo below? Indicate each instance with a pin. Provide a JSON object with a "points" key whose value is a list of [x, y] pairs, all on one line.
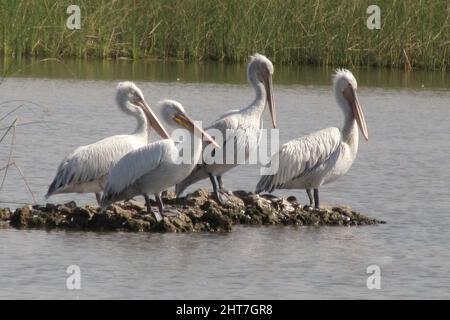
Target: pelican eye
{"points": [[135, 97]]}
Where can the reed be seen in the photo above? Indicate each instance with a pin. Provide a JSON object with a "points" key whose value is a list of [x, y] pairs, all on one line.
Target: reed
{"points": [[414, 33], [10, 163]]}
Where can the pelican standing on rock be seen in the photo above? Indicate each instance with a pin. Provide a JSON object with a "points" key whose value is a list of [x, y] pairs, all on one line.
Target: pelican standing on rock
{"points": [[157, 166], [235, 125], [323, 156], [86, 168]]}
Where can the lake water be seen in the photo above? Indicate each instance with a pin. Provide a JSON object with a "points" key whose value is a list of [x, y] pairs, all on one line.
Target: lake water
{"points": [[401, 176]]}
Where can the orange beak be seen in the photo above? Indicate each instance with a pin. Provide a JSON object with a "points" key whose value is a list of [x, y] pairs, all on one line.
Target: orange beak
{"points": [[184, 120]]}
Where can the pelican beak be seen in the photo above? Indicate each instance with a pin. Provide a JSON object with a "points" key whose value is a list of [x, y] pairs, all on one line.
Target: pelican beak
{"points": [[183, 119], [153, 120], [352, 98], [269, 92]]}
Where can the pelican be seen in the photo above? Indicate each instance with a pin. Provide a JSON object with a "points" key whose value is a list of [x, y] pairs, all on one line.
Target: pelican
{"points": [[323, 156], [157, 166], [239, 124], [86, 168]]}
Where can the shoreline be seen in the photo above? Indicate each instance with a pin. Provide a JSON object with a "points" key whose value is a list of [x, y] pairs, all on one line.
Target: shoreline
{"points": [[199, 213]]}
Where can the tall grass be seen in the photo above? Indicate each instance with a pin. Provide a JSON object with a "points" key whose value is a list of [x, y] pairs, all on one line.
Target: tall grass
{"points": [[320, 32]]}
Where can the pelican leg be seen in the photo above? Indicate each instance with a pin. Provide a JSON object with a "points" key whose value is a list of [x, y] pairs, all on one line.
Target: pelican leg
{"points": [[149, 208], [220, 183], [308, 191], [316, 197], [98, 196], [213, 182], [163, 211], [220, 195], [221, 188]]}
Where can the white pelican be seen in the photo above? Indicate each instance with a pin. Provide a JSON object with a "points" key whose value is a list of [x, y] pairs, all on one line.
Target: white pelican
{"points": [[86, 168], [323, 156], [239, 123], [157, 166]]}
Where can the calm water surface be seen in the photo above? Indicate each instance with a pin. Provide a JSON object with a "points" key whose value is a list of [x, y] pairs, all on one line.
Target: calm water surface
{"points": [[401, 175]]}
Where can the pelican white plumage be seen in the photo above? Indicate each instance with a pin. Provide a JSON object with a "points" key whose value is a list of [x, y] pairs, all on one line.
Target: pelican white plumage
{"points": [[85, 169], [323, 156], [236, 126], [157, 166]]}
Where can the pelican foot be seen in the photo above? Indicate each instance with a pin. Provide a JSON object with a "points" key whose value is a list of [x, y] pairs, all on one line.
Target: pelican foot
{"points": [[223, 197], [157, 215], [170, 213], [226, 191]]}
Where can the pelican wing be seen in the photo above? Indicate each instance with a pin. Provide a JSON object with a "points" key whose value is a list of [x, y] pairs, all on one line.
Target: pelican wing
{"points": [[135, 165], [236, 131], [91, 162], [299, 156], [227, 121], [226, 114]]}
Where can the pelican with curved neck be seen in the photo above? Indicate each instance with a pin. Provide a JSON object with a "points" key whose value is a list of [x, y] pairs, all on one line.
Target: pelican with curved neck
{"points": [[130, 100], [241, 124], [85, 169], [259, 75], [155, 167], [323, 156]]}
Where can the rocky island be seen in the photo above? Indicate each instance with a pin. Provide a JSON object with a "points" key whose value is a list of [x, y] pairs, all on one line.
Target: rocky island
{"points": [[200, 212]]}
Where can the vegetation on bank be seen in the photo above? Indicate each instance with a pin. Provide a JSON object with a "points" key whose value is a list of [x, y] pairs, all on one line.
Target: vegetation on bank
{"points": [[323, 32]]}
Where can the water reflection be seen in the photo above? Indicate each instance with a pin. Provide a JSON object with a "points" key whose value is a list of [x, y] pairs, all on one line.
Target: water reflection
{"points": [[170, 71]]}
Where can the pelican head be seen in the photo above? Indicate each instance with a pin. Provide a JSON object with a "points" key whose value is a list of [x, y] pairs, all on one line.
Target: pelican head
{"points": [[345, 86], [131, 100], [260, 69], [174, 114]]}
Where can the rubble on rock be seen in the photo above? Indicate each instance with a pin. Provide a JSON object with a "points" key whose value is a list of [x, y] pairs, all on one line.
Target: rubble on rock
{"points": [[200, 212]]}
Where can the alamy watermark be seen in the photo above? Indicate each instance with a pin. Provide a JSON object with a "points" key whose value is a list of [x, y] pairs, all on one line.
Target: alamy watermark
{"points": [[374, 280], [374, 20], [74, 19], [73, 281], [73, 22], [238, 147]]}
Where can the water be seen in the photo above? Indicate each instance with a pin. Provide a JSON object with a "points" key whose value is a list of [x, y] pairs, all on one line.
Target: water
{"points": [[401, 175]]}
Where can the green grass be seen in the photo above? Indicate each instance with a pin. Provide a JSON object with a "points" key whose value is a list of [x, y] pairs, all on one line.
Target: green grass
{"points": [[320, 32]]}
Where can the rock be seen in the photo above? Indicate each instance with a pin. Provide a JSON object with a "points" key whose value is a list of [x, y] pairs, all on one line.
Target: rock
{"points": [[136, 205], [269, 196], [78, 218], [175, 224], [168, 195], [241, 193], [195, 214], [51, 208], [20, 217], [197, 198], [5, 214], [71, 205], [199, 212], [291, 199], [138, 225], [216, 220]]}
